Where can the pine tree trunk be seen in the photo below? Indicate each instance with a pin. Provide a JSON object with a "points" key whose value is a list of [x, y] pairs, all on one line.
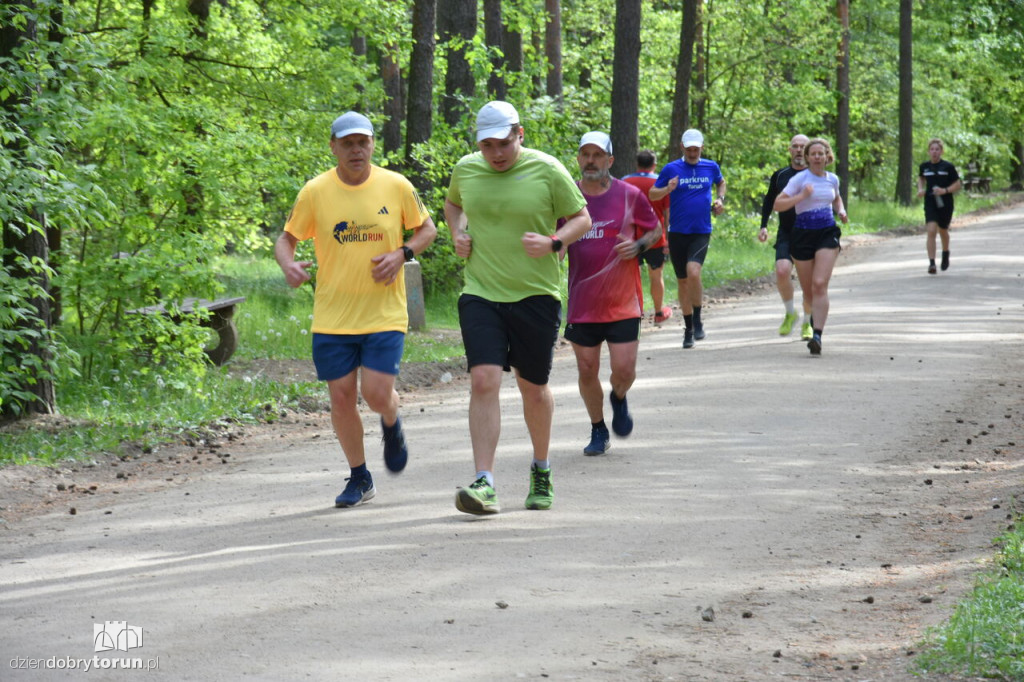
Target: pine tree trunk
{"points": [[493, 35], [905, 180], [684, 74], [842, 150], [553, 48], [456, 19], [23, 243], [626, 85]]}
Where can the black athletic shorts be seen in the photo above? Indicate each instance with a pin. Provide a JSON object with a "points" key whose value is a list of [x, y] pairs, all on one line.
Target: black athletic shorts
{"points": [[521, 334], [655, 258], [687, 248], [783, 242], [807, 242], [941, 216], [591, 334]]}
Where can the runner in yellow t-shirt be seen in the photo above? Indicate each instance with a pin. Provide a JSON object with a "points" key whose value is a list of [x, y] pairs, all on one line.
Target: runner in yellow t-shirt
{"points": [[357, 214]]}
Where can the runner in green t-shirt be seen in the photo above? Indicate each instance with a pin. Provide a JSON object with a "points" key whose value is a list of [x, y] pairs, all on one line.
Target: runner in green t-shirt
{"points": [[504, 203]]}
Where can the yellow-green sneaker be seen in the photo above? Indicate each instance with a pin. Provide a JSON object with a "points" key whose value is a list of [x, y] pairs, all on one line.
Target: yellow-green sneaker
{"points": [[478, 498], [542, 493], [806, 331], [787, 324]]}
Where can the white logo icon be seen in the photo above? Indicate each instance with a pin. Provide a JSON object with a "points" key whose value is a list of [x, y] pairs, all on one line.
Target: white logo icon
{"points": [[116, 635]]}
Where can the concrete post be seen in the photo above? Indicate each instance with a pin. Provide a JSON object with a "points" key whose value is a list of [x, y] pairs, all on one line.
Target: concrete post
{"points": [[414, 296]]}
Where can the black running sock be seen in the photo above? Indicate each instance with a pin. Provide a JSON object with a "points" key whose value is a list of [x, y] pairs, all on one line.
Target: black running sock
{"points": [[818, 332], [931, 262], [688, 322], [600, 425], [360, 471], [696, 316]]}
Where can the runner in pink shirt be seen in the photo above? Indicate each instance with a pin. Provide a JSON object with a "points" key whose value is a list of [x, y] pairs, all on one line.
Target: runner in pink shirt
{"points": [[605, 291]]}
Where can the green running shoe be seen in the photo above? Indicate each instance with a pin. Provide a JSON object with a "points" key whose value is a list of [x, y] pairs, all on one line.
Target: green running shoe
{"points": [[542, 493], [478, 498], [787, 324], [806, 331]]}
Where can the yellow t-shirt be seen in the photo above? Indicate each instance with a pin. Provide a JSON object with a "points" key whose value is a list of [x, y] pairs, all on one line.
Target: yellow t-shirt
{"points": [[350, 225]]}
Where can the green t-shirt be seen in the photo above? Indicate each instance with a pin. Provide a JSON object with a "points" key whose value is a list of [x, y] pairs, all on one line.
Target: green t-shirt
{"points": [[500, 207]]}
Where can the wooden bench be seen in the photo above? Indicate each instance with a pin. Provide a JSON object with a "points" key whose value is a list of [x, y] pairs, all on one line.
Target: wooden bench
{"points": [[973, 180], [974, 183], [221, 321]]}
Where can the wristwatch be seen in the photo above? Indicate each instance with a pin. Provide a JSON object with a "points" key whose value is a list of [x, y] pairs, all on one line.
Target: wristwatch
{"points": [[409, 255], [556, 244]]}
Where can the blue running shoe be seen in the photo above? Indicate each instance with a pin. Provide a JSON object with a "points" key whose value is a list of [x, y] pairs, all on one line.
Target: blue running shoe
{"points": [[698, 331], [600, 441], [622, 422], [357, 491], [396, 453]]}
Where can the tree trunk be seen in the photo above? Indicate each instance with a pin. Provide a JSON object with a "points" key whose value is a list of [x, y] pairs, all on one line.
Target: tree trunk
{"points": [[359, 49], [684, 74], [419, 120], [394, 105], [842, 150], [456, 19], [193, 193], [905, 180], [553, 48], [493, 35], [537, 43], [626, 85], [1017, 167], [25, 243], [584, 38], [513, 42], [700, 90]]}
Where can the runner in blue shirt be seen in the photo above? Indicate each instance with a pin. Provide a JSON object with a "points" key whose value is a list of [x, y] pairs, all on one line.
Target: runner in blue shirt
{"points": [[688, 182]]}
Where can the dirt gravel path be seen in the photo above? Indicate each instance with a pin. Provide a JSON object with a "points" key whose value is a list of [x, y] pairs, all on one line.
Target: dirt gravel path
{"points": [[772, 516]]}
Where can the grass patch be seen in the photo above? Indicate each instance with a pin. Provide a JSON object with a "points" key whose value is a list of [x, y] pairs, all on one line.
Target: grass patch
{"points": [[101, 417], [985, 635]]}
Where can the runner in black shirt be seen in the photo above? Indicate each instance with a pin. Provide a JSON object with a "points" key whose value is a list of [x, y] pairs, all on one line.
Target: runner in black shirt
{"points": [[783, 262], [937, 181]]}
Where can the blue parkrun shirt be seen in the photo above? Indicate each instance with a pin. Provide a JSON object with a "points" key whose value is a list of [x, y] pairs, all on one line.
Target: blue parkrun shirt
{"points": [[690, 202]]}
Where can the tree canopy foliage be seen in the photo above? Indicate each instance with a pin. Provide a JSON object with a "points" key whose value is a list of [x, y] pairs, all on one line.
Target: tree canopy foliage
{"points": [[144, 137]]}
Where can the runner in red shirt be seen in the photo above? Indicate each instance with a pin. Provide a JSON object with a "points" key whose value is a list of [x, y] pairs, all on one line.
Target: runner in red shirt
{"points": [[646, 174]]}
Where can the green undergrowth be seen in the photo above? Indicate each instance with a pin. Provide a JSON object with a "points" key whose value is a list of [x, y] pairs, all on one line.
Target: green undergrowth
{"points": [[984, 637]]}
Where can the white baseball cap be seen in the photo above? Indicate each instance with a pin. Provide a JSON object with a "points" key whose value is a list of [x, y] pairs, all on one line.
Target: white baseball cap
{"points": [[351, 123], [693, 138], [496, 119], [598, 139]]}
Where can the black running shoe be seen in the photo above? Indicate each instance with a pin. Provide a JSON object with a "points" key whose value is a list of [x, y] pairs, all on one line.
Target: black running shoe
{"points": [[815, 344]]}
